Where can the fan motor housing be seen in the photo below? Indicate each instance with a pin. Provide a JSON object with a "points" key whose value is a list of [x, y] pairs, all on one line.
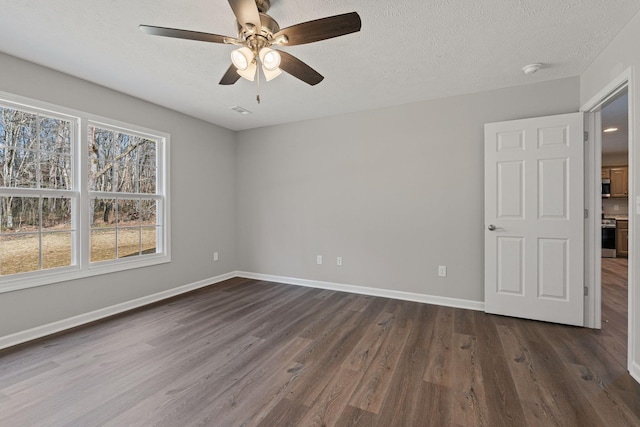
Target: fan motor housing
{"points": [[269, 27]]}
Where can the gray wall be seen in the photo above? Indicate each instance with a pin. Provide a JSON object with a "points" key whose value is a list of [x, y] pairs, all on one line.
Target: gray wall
{"points": [[395, 192], [621, 54], [202, 204]]}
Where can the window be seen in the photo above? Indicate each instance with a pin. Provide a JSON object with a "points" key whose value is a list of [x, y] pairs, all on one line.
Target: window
{"points": [[124, 195], [61, 218], [36, 204]]}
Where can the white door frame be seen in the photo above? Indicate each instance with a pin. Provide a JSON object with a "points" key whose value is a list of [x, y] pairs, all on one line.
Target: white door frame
{"points": [[593, 302]]}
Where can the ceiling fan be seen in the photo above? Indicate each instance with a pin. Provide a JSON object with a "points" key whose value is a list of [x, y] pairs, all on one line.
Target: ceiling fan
{"points": [[258, 33]]}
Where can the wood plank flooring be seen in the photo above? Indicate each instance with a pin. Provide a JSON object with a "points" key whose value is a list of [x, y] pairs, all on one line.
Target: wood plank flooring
{"points": [[250, 353]]}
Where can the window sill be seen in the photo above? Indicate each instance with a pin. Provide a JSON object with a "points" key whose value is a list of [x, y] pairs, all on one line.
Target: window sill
{"points": [[39, 278]]}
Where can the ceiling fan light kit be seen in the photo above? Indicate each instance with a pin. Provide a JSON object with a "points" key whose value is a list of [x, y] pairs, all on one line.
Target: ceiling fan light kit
{"points": [[259, 32]]}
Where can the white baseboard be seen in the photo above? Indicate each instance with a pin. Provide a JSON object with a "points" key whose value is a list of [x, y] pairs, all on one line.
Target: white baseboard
{"points": [[376, 292], [635, 371], [72, 322]]}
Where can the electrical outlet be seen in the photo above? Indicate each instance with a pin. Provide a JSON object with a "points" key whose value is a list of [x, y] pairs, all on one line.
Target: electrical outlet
{"points": [[319, 259], [339, 261], [616, 207], [215, 256], [442, 270]]}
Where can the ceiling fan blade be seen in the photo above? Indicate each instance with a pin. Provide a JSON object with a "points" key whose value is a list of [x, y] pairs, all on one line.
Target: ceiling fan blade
{"points": [[182, 34], [299, 69], [246, 12], [321, 29], [231, 76]]}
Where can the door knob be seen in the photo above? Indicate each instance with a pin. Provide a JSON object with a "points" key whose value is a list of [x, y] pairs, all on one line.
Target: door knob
{"points": [[494, 228]]}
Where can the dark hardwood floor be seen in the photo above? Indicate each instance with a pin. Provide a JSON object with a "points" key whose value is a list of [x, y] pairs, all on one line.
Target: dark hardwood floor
{"points": [[246, 352], [615, 297]]}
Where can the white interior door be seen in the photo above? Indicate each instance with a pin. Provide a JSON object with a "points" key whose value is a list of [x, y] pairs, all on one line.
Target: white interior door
{"points": [[534, 213]]}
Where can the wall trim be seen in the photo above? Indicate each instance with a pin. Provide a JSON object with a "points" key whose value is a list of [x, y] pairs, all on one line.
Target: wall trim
{"points": [[376, 292], [635, 371], [627, 78], [608, 92], [81, 319]]}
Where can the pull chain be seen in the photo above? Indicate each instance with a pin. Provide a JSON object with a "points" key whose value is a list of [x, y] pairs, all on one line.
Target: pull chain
{"points": [[258, 73]]}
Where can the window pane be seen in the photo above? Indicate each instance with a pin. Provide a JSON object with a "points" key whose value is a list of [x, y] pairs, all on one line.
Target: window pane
{"points": [[130, 155], [18, 139], [128, 213], [104, 214], [149, 243], [6, 213], [19, 169], [103, 244], [148, 212], [147, 179], [100, 143], [56, 213], [55, 171], [3, 153], [19, 253], [100, 159], [20, 213], [121, 162], [18, 129], [55, 135], [56, 250], [100, 175], [103, 233], [147, 153], [125, 177], [128, 242], [3, 128], [124, 143]]}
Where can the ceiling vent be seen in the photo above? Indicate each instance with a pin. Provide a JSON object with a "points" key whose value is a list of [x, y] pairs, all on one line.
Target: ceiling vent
{"points": [[240, 110]]}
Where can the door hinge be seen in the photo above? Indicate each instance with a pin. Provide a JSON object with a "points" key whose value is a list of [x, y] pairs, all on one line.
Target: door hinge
{"points": [[586, 291], [586, 136], [586, 213]]}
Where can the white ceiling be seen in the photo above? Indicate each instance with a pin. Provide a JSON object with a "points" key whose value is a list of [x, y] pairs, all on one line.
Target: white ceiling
{"points": [[407, 51]]}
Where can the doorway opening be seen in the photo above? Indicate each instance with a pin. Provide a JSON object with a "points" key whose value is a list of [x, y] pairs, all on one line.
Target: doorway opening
{"points": [[614, 118]]}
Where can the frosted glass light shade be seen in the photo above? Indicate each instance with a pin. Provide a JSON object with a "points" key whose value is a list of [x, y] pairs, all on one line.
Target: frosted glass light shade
{"points": [[271, 74], [241, 58], [250, 72], [270, 59]]}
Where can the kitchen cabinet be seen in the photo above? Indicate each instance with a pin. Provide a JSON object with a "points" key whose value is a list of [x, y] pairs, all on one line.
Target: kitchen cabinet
{"points": [[622, 238], [619, 181], [606, 173]]}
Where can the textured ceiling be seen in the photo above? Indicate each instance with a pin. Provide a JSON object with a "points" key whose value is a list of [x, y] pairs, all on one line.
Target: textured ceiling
{"points": [[408, 50]]}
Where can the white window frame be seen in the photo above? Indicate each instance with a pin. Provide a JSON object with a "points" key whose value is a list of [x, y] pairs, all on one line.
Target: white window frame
{"points": [[81, 266]]}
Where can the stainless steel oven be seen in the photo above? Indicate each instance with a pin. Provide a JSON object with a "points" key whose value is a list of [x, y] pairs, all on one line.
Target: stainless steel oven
{"points": [[608, 238]]}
